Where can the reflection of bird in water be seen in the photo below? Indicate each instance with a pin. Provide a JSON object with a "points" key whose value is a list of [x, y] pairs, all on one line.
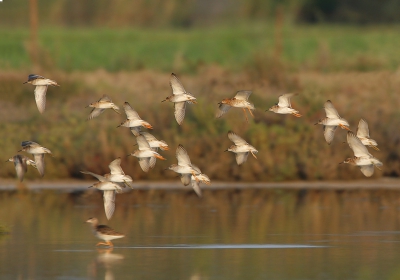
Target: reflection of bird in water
{"points": [[104, 232], [21, 165], [240, 100], [107, 259], [41, 84]]}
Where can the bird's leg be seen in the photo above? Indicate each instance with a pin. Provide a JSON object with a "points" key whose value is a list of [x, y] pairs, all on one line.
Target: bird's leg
{"points": [[116, 111], [102, 243], [251, 113], [344, 127], [375, 148], [296, 115], [129, 185], [195, 177], [253, 155], [378, 167], [160, 157], [244, 111], [147, 125], [109, 243]]}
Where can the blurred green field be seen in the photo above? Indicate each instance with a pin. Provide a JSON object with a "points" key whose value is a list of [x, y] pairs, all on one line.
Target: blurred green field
{"points": [[234, 47]]}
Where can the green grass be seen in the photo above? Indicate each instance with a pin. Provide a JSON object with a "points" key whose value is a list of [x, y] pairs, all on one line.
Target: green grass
{"points": [[332, 48]]}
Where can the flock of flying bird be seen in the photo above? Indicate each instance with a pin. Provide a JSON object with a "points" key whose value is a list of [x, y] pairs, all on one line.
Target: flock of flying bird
{"points": [[148, 145]]}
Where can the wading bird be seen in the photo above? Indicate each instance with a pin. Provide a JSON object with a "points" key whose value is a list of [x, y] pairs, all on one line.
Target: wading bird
{"points": [[104, 232]]}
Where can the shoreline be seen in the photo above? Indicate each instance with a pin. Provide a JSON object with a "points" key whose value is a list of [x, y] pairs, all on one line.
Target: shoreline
{"points": [[382, 183]]}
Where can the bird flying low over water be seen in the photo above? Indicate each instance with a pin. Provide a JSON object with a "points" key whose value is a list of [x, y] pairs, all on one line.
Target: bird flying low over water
{"points": [[179, 97], [110, 184], [332, 121], [38, 152], [41, 84], [196, 180], [21, 165], [116, 175], [104, 232], [109, 190], [99, 106], [133, 121], [241, 148], [240, 100], [362, 158], [284, 106], [363, 135]]}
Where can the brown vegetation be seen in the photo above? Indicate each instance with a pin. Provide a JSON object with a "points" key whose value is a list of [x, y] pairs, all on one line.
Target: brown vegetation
{"points": [[289, 148]]}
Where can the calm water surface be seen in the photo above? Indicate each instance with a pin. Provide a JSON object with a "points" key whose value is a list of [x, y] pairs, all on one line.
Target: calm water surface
{"points": [[228, 234]]}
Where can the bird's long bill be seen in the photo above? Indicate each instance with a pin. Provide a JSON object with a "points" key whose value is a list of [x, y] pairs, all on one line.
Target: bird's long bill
{"points": [[117, 111], [128, 155], [25, 82], [164, 100], [375, 148], [341, 162]]}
